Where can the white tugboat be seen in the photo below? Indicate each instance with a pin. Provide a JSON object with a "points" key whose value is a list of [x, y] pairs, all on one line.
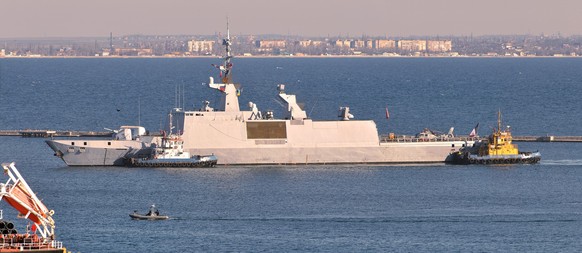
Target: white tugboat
{"points": [[170, 153]]}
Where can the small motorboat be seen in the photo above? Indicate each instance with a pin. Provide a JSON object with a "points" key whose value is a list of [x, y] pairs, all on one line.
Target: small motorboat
{"points": [[153, 214]]}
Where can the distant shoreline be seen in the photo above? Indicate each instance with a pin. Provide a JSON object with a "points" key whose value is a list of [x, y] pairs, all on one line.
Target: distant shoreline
{"points": [[280, 56]]}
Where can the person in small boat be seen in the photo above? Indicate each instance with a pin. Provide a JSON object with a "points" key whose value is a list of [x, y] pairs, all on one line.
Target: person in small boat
{"points": [[153, 211]]}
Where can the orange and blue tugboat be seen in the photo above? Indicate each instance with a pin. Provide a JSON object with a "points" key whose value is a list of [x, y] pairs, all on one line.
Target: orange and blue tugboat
{"points": [[496, 149], [40, 235]]}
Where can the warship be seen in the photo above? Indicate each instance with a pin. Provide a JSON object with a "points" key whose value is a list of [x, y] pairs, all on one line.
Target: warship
{"points": [[254, 137]]}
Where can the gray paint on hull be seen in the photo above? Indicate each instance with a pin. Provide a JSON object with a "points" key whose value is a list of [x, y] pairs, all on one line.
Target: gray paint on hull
{"points": [[93, 156]]}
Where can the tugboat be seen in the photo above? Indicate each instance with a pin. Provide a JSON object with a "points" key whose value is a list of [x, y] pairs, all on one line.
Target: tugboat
{"points": [[171, 154], [153, 214], [40, 235], [496, 149]]}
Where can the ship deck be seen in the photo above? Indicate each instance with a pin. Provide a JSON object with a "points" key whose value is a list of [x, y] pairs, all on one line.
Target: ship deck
{"points": [[406, 138]]}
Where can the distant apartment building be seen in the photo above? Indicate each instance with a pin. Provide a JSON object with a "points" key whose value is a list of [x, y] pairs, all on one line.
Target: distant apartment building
{"points": [[304, 43], [200, 46], [359, 44], [309, 43], [318, 43], [270, 44], [369, 44], [439, 46], [412, 45], [134, 51], [2, 52], [342, 43], [384, 44]]}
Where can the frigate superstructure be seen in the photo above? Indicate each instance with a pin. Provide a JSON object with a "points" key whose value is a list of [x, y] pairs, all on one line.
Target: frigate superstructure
{"points": [[253, 137]]}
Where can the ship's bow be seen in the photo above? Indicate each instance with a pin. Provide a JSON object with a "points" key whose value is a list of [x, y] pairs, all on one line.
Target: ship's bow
{"points": [[53, 145]]}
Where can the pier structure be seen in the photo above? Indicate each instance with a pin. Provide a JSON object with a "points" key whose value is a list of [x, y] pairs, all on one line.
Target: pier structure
{"points": [[548, 138]]}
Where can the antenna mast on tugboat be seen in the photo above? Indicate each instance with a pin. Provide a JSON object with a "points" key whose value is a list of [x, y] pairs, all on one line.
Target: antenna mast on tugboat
{"points": [[499, 120]]}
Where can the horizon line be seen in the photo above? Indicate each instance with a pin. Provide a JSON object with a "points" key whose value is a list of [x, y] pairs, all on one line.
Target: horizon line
{"points": [[288, 35]]}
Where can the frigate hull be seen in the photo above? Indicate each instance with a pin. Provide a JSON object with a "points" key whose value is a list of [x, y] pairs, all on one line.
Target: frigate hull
{"points": [[97, 152], [384, 154], [236, 139]]}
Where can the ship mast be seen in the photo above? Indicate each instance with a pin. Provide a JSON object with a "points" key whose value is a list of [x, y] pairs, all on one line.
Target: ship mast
{"points": [[170, 122], [227, 65], [230, 91]]}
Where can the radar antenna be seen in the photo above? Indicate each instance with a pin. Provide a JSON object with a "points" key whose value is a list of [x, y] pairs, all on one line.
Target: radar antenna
{"points": [[227, 65], [229, 90]]}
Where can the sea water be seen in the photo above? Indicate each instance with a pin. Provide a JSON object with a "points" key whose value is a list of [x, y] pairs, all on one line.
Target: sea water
{"points": [[408, 208]]}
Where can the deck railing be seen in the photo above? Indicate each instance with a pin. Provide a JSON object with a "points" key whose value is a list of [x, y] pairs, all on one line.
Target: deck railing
{"points": [[28, 244], [405, 138]]}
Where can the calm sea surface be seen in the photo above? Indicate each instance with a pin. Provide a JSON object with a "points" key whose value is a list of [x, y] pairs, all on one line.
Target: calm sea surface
{"points": [[428, 208]]}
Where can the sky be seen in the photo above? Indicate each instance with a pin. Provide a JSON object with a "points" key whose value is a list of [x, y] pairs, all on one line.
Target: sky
{"points": [[316, 18]]}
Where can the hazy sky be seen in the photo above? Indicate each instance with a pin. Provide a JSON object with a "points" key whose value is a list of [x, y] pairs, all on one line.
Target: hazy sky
{"points": [[72, 18]]}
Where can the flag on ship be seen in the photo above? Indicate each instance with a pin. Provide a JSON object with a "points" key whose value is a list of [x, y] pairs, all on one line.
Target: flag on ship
{"points": [[474, 131]]}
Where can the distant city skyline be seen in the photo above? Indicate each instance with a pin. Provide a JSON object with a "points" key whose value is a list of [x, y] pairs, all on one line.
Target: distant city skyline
{"points": [[317, 18]]}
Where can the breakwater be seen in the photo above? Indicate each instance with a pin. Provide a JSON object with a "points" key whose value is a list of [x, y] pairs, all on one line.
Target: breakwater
{"points": [[549, 138]]}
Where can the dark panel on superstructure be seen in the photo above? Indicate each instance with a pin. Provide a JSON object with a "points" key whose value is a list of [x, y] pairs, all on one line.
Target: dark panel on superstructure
{"points": [[266, 130]]}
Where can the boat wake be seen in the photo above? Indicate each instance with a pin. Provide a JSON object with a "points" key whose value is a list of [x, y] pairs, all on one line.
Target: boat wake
{"points": [[569, 162], [523, 218]]}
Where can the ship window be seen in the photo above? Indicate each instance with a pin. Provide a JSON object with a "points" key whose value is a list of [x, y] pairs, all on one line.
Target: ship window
{"points": [[73, 143], [85, 143], [453, 145], [109, 143], [266, 130]]}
